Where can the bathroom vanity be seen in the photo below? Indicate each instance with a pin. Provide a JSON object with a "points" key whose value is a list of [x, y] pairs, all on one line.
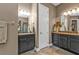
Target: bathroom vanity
{"points": [[26, 42], [26, 31], [66, 40]]}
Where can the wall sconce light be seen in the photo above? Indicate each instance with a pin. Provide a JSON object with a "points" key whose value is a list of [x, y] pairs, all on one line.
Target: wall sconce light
{"points": [[74, 11], [23, 13]]}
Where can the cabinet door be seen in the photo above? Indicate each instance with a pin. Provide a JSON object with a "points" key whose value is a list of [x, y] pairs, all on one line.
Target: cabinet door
{"points": [[74, 44], [63, 41], [31, 42], [56, 39], [68, 42], [23, 43]]}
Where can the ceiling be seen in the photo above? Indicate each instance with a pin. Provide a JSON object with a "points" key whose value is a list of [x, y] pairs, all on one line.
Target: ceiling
{"points": [[56, 4]]}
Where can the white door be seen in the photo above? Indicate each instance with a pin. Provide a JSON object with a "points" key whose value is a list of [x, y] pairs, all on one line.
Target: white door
{"points": [[43, 13]]}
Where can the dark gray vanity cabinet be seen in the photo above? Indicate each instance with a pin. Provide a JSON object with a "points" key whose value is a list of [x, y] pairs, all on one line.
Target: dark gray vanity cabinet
{"points": [[60, 40], [55, 39], [63, 41], [74, 43], [68, 42], [26, 43]]}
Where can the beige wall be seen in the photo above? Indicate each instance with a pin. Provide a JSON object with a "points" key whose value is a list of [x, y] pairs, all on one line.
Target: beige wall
{"points": [[65, 6], [8, 13], [52, 15]]}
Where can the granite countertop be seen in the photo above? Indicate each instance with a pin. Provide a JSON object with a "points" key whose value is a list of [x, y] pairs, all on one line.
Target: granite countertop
{"points": [[67, 33], [25, 33]]}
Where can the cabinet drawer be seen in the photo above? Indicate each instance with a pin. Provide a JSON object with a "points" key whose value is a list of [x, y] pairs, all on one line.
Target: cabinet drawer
{"points": [[55, 39]]}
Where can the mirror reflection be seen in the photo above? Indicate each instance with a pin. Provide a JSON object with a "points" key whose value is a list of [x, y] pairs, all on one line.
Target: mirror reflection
{"points": [[69, 20], [25, 21], [23, 25]]}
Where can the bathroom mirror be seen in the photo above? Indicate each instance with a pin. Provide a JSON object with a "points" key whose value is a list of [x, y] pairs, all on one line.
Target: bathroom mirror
{"points": [[64, 23], [70, 20], [26, 21], [25, 25], [73, 23]]}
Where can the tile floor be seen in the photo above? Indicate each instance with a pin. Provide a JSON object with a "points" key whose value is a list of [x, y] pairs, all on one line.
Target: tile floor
{"points": [[49, 51]]}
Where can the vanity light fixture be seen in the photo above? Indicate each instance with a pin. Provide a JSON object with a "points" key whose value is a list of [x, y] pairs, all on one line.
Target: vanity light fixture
{"points": [[23, 13], [74, 11]]}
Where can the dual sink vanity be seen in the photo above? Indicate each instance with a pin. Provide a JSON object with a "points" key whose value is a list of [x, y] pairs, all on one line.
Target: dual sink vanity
{"points": [[66, 40], [66, 32]]}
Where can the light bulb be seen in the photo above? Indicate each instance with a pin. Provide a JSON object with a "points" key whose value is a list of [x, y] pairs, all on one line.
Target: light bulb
{"points": [[73, 11], [69, 12], [65, 13], [78, 9]]}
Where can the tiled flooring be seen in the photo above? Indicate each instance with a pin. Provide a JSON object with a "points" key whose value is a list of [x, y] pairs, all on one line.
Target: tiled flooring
{"points": [[49, 51]]}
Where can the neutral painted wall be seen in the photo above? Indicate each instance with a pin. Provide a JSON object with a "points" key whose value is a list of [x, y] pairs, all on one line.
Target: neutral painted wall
{"points": [[65, 6], [8, 13], [52, 15]]}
